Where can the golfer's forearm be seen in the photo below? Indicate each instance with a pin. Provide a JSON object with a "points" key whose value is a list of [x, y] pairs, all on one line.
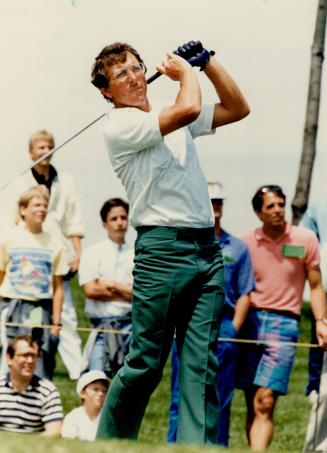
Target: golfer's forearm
{"points": [[189, 95], [231, 98], [187, 105]]}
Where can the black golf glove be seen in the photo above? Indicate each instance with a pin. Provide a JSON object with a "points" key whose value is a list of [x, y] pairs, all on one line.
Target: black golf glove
{"points": [[195, 54]]}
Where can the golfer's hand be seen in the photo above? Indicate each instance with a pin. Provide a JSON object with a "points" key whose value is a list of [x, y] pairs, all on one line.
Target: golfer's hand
{"points": [[174, 67], [321, 332]]}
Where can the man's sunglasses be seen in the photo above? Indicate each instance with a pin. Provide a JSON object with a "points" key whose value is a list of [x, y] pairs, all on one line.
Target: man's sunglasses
{"points": [[267, 187]]}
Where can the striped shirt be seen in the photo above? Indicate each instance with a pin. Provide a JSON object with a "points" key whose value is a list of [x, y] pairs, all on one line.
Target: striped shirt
{"points": [[31, 409]]}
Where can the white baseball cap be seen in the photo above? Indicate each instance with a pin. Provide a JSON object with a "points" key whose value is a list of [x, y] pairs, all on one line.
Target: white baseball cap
{"points": [[87, 378], [215, 190]]}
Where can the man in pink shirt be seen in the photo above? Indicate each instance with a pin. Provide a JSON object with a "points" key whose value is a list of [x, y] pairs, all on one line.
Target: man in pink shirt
{"points": [[283, 257]]}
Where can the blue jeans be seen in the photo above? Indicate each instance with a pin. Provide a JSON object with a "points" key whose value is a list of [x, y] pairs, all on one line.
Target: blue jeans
{"points": [[226, 352], [97, 354]]}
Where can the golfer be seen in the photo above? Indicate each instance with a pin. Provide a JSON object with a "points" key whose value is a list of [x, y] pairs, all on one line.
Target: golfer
{"points": [[178, 274]]}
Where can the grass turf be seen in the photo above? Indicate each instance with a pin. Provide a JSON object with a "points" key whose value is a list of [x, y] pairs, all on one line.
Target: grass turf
{"points": [[291, 414]]}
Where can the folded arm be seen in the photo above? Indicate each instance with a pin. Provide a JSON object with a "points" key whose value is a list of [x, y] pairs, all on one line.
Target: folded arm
{"points": [[107, 290]]}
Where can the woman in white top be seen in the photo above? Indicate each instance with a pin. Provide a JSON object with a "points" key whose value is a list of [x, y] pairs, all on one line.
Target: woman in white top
{"points": [[82, 422]]}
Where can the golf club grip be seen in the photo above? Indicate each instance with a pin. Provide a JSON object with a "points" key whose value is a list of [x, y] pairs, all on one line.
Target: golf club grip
{"points": [[158, 74], [153, 77]]}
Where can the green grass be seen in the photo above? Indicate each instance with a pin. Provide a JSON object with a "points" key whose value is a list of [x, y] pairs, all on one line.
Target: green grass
{"points": [[291, 414]]}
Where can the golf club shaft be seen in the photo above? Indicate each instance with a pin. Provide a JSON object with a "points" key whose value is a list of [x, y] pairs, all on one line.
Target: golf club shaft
{"points": [[153, 77]]}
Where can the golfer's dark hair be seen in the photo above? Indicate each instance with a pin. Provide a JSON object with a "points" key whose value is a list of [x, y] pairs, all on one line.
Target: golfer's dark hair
{"points": [[257, 200], [11, 349], [110, 55], [112, 203]]}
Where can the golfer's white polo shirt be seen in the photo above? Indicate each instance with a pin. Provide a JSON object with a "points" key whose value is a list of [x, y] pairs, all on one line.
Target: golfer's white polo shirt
{"points": [[162, 176]]}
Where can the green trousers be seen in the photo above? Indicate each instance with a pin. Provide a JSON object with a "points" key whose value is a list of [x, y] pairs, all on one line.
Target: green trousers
{"points": [[178, 284]]}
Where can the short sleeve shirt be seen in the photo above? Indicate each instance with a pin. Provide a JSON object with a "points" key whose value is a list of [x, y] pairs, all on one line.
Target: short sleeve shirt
{"points": [[238, 272], [162, 175], [29, 411], [280, 267], [29, 262], [78, 425]]}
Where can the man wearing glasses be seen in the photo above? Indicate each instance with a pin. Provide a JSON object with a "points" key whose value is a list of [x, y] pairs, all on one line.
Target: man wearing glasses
{"points": [[28, 404], [283, 257], [178, 274]]}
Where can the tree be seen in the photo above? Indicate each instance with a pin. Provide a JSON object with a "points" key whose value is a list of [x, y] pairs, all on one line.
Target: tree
{"points": [[300, 200]]}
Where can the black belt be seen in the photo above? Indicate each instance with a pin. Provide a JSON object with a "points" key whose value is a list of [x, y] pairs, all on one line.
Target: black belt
{"points": [[181, 232]]}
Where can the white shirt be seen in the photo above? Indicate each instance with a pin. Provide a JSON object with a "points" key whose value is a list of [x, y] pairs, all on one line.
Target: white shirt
{"points": [[78, 425], [162, 176], [106, 260]]}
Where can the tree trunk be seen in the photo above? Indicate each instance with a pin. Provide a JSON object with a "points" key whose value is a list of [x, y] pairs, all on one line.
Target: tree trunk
{"points": [[300, 200]]}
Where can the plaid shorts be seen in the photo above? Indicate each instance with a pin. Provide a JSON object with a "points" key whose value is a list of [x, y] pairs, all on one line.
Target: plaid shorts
{"points": [[267, 365]]}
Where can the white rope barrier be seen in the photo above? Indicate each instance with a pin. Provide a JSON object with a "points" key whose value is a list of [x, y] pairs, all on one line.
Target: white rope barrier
{"points": [[128, 332]]}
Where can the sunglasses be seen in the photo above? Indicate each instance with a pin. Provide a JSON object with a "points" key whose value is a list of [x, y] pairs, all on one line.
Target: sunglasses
{"points": [[267, 187]]}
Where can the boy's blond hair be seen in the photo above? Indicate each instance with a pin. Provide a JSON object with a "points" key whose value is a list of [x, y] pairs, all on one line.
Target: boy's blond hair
{"points": [[41, 135], [35, 191]]}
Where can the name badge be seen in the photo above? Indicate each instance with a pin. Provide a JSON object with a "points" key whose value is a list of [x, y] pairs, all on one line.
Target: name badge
{"points": [[229, 260], [293, 251]]}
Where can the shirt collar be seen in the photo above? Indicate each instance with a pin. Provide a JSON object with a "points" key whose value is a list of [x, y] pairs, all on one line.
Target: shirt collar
{"points": [[118, 247], [34, 382], [224, 238], [41, 179], [260, 235]]}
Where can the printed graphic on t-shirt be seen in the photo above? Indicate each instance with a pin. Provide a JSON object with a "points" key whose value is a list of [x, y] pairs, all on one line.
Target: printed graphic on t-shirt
{"points": [[30, 272]]}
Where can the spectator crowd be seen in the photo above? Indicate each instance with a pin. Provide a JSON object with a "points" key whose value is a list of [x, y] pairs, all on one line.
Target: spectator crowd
{"points": [[40, 250], [265, 271]]}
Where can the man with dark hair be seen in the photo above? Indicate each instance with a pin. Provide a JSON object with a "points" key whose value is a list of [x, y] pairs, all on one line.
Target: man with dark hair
{"points": [[178, 273], [113, 203], [106, 277], [111, 55], [28, 403], [283, 258]]}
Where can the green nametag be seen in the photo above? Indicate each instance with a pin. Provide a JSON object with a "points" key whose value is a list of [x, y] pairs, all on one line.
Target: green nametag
{"points": [[293, 251], [229, 260]]}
